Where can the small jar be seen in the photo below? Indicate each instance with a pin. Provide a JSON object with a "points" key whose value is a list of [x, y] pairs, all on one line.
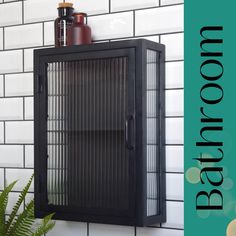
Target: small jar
{"points": [[81, 31], [64, 25]]}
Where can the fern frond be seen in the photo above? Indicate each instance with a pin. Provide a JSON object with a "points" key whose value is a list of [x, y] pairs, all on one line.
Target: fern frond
{"points": [[45, 226], [3, 205], [18, 203], [22, 224]]}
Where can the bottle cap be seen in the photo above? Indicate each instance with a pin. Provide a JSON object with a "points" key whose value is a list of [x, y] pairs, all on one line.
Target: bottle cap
{"points": [[65, 4]]}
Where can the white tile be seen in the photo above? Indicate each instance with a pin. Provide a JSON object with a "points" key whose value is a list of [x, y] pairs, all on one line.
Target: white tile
{"points": [[121, 5], [1, 38], [91, 6], [11, 61], [159, 20], [174, 158], [24, 36], [8, 0], [175, 74], [49, 33], [28, 59], [69, 229], [11, 156], [174, 46], [1, 85], [29, 108], [11, 14], [175, 215], [168, 2], [174, 131], [111, 26], [158, 232], [19, 132], [175, 186], [22, 176], [11, 108], [175, 102], [1, 179], [108, 230], [29, 156], [13, 197], [19, 84], [40, 10], [1, 132]]}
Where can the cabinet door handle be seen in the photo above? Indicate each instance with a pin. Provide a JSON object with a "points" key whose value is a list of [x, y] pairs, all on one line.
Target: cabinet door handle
{"points": [[129, 132]]}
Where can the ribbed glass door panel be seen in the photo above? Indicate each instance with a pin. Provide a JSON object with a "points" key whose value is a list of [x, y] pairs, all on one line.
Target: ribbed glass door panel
{"points": [[88, 164], [153, 142]]}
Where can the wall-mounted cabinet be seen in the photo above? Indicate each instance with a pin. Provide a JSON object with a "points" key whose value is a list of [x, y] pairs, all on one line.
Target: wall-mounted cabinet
{"points": [[100, 132]]}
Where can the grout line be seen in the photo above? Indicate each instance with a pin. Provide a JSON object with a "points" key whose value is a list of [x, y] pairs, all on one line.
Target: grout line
{"points": [[4, 82], [135, 231], [109, 6], [3, 36], [24, 156], [4, 132], [134, 15], [23, 12], [43, 33], [23, 109], [87, 228], [4, 171]]}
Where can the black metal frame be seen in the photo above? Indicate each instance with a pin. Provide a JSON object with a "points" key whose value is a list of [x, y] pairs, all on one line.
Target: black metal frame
{"points": [[135, 50]]}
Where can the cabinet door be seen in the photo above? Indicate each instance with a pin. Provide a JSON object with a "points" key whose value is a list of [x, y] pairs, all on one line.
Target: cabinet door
{"points": [[88, 137]]}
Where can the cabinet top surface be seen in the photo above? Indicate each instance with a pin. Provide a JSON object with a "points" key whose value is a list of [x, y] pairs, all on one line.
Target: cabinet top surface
{"points": [[137, 43]]}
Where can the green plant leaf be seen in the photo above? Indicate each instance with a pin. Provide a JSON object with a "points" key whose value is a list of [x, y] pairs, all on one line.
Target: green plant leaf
{"points": [[18, 203], [3, 205], [22, 224], [45, 226]]}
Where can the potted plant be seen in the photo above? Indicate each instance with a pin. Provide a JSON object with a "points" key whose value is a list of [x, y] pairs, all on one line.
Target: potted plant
{"points": [[23, 224]]}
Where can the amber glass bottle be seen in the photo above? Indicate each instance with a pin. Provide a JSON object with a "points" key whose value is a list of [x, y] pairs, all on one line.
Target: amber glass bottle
{"points": [[81, 31], [64, 25]]}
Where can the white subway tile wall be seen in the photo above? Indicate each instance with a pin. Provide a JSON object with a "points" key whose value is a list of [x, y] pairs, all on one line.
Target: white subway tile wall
{"points": [[11, 156], [27, 25], [24, 36], [120, 5], [1, 38], [11, 14]]}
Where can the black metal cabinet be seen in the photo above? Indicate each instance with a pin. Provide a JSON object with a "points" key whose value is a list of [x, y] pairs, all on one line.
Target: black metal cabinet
{"points": [[100, 132]]}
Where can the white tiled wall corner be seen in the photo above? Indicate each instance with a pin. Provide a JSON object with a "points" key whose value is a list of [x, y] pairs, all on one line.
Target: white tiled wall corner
{"points": [[175, 159], [40, 10], [1, 85], [19, 132], [29, 108], [175, 102], [110, 26], [22, 176], [168, 2], [175, 186], [69, 229], [108, 230], [174, 131], [24, 36], [13, 197], [1, 132], [121, 5], [11, 156], [175, 74], [91, 7], [175, 215], [11, 61], [1, 38], [49, 33], [159, 20], [19, 84], [159, 232], [174, 46], [11, 108], [29, 156], [1, 178], [14, 13]]}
